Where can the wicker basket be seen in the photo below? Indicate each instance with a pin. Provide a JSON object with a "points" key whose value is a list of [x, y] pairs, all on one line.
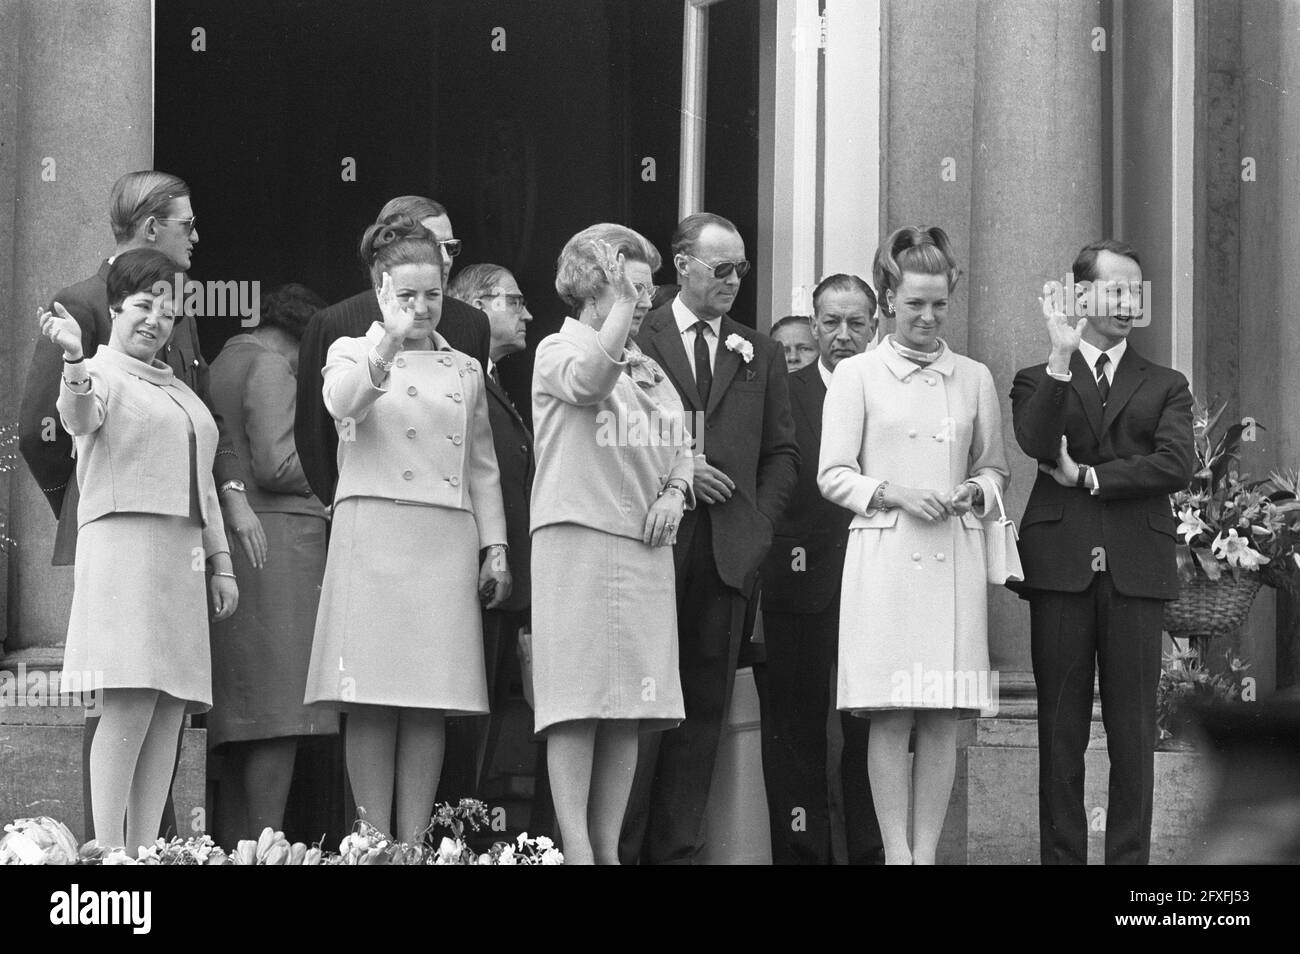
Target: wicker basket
{"points": [[1211, 607]]}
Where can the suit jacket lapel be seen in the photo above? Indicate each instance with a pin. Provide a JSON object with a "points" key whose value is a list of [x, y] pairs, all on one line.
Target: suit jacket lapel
{"points": [[1129, 375], [817, 392], [665, 346], [807, 396], [498, 393], [1085, 385], [725, 364]]}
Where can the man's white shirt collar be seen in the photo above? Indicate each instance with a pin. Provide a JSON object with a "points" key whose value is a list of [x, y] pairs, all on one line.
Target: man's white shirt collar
{"points": [[1090, 353], [686, 318]]}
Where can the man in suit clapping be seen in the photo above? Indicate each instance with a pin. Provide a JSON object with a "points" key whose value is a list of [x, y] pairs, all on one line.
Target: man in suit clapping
{"points": [[733, 384]]}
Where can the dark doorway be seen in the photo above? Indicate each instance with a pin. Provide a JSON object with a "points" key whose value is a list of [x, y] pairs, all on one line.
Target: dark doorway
{"points": [[529, 120]]}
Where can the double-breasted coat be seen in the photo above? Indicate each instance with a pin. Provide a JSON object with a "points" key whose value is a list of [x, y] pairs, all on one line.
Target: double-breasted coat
{"points": [[418, 497], [913, 611]]}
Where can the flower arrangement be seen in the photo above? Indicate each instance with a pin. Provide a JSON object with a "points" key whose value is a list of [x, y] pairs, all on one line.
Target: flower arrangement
{"points": [[45, 841], [1231, 525], [1186, 684]]}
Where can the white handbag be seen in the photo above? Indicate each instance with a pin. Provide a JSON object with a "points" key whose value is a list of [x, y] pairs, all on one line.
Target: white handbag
{"points": [[1001, 554]]}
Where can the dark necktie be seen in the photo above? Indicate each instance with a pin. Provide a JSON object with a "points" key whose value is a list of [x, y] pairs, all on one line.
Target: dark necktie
{"points": [[495, 376], [703, 370], [1103, 383]]}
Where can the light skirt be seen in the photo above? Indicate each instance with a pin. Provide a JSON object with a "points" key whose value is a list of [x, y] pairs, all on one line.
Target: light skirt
{"points": [[140, 608], [604, 629], [399, 620]]}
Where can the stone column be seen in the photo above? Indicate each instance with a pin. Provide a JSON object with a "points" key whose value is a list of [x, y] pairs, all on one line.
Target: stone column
{"points": [[1036, 198], [80, 115], [9, 360]]}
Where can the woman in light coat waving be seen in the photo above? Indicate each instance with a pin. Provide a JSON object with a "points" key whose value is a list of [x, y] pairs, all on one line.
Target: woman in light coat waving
{"points": [[398, 641], [614, 470]]}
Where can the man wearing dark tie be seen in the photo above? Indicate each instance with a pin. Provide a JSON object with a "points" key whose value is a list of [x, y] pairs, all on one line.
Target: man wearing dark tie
{"points": [[801, 614], [1112, 432], [732, 382], [465, 328]]}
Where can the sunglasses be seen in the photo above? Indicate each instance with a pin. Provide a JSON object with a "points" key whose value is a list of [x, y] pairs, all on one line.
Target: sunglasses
{"points": [[723, 269], [451, 246]]}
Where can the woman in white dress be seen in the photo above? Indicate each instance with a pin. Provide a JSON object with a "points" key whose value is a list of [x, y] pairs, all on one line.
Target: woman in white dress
{"points": [[912, 444]]}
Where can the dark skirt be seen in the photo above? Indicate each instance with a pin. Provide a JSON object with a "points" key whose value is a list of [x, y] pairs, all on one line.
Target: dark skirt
{"points": [[261, 653]]}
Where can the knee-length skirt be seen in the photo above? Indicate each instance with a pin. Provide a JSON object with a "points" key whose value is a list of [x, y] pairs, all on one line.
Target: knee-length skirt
{"points": [[604, 619], [261, 653], [399, 619], [140, 608]]}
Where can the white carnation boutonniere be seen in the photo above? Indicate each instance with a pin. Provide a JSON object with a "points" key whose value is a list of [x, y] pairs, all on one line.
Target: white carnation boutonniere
{"points": [[741, 346]]}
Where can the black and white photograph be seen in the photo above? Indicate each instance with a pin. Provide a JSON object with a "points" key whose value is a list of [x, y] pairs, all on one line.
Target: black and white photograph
{"points": [[650, 432]]}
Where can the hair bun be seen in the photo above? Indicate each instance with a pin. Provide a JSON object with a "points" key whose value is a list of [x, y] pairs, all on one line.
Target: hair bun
{"points": [[392, 229]]}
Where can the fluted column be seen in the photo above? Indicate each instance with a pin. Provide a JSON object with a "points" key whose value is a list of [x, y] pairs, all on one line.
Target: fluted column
{"points": [[1036, 198], [79, 112]]}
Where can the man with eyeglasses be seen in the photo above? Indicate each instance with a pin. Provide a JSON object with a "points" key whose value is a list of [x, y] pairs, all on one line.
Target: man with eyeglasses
{"points": [[493, 290], [801, 615], [464, 326], [732, 382]]}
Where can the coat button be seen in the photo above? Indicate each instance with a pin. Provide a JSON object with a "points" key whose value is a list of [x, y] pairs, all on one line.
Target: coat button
{"points": [[446, 362], [455, 397], [457, 439], [916, 557], [454, 481], [912, 432], [400, 362], [412, 391], [930, 381], [408, 475], [939, 557], [523, 449], [410, 432], [939, 436]]}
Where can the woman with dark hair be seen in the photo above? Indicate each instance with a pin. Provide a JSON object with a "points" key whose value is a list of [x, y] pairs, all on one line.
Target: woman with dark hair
{"points": [[260, 654], [148, 517], [912, 444], [398, 642], [614, 474]]}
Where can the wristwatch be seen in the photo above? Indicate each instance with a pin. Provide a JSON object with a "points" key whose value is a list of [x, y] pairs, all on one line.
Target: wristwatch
{"points": [[237, 485]]}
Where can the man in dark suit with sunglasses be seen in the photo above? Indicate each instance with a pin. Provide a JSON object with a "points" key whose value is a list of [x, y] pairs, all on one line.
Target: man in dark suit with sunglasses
{"points": [[1112, 433], [732, 382], [464, 326]]}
